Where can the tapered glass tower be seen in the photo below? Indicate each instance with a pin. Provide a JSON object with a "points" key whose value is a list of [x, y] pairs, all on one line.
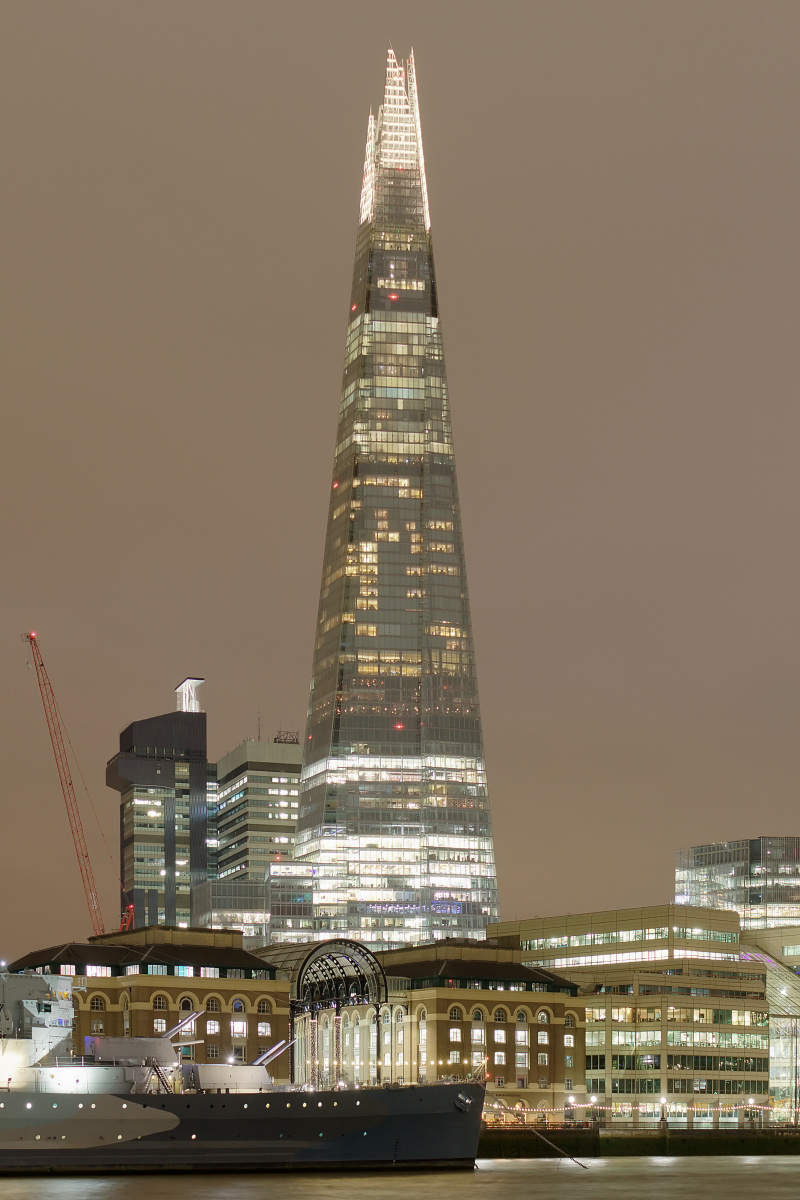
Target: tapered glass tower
{"points": [[394, 808]]}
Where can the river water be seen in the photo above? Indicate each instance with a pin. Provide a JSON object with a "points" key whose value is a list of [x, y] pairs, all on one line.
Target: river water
{"points": [[746, 1178]]}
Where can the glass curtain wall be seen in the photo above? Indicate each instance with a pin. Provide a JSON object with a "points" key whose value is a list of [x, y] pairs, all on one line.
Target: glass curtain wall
{"points": [[394, 802]]}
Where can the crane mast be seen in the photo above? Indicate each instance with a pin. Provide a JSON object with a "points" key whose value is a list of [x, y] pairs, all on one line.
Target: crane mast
{"points": [[67, 787]]}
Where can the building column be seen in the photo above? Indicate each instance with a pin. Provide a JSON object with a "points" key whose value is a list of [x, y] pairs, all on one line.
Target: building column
{"points": [[715, 1114], [690, 1113]]}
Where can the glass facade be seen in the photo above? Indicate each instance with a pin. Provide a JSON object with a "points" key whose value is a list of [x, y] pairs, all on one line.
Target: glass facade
{"points": [[757, 877], [394, 805], [163, 778]]}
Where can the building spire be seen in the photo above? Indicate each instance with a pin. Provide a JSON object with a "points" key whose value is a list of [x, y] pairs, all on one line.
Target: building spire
{"points": [[394, 141]]}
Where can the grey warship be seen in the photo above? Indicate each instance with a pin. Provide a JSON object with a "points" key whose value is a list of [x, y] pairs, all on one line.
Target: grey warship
{"points": [[128, 1105]]}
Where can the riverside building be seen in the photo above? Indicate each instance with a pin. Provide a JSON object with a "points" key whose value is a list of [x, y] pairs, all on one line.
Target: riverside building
{"points": [[394, 807], [453, 1008], [143, 983], [677, 1025]]}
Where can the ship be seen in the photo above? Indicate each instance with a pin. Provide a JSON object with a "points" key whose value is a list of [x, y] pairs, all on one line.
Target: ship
{"points": [[131, 1104]]}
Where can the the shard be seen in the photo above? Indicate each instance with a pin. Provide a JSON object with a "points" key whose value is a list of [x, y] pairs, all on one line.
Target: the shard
{"points": [[394, 809]]}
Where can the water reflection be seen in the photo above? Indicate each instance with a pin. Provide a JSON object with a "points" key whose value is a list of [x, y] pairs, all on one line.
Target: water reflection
{"points": [[742, 1178]]}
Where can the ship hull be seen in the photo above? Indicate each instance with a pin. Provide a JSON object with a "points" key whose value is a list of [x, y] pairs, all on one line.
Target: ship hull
{"points": [[372, 1128]]}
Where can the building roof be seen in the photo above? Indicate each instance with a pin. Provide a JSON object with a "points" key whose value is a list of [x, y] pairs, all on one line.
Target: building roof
{"points": [[476, 968], [105, 954]]}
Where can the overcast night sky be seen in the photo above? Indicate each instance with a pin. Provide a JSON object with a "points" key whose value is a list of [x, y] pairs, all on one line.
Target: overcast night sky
{"points": [[615, 190]]}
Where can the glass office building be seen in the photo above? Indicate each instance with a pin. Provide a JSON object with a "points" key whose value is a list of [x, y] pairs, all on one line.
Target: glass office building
{"points": [[394, 804], [757, 877]]}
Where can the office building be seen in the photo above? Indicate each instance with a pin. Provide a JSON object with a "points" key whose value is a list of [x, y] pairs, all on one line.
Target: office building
{"points": [[163, 778], [677, 1023], [757, 877], [394, 807], [253, 818]]}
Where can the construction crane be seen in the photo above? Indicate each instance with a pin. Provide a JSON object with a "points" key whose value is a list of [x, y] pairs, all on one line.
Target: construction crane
{"points": [[55, 728]]}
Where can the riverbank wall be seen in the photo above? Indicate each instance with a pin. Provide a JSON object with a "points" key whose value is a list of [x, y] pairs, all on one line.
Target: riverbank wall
{"points": [[592, 1143]]}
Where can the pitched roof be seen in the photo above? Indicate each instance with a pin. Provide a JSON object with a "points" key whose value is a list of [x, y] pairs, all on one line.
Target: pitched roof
{"points": [[116, 954]]}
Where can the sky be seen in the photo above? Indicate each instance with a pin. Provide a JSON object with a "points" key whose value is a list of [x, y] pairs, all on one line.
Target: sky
{"points": [[614, 191]]}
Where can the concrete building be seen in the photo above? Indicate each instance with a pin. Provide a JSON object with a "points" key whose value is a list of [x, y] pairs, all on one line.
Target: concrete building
{"points": [[677, 1025]]}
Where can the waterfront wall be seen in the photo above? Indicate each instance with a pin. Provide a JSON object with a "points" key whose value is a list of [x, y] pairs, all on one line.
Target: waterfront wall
{"points": [[589, 1143]]}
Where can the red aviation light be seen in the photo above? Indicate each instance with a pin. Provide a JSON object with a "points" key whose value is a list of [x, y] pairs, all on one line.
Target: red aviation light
{"points": [[400, 726], [353, 307], [335, 484], [393, 296]]}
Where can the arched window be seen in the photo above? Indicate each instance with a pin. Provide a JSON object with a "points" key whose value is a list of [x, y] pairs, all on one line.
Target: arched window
{"points": [[499, 1015], [477, 1015], [159, 1003], [521, 1018], [264, 1006], [542, 1017], [455, 1014], [569, 1020], [186, 1004], [212, 1004], [423, 1016], [237, 1006], [399, 1015], [387, 1016], [97, 1004], [345, 1020]]}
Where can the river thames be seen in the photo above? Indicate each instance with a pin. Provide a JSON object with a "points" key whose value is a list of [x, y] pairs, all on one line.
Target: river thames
{"points": [[493, 1179]]}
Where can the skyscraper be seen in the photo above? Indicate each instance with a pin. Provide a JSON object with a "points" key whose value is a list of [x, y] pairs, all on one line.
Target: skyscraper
{"points": [[394, 807], [163, 777]]}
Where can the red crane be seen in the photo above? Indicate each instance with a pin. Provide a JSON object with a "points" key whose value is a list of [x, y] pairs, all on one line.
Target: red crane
{"points": [[70, 799]]}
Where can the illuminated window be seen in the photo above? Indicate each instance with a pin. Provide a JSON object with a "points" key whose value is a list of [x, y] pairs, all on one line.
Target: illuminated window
{"points": [[97, 1004], [542, 1037], [455, 1014], [264, 1029], [239, 1029], [159, 1025], [159, 1003], [541, 1059], [569, 1039], [455, 1034], [455, 1056], [499, 1035], [542, 1017], [500, 1058], [212, 1027]]}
